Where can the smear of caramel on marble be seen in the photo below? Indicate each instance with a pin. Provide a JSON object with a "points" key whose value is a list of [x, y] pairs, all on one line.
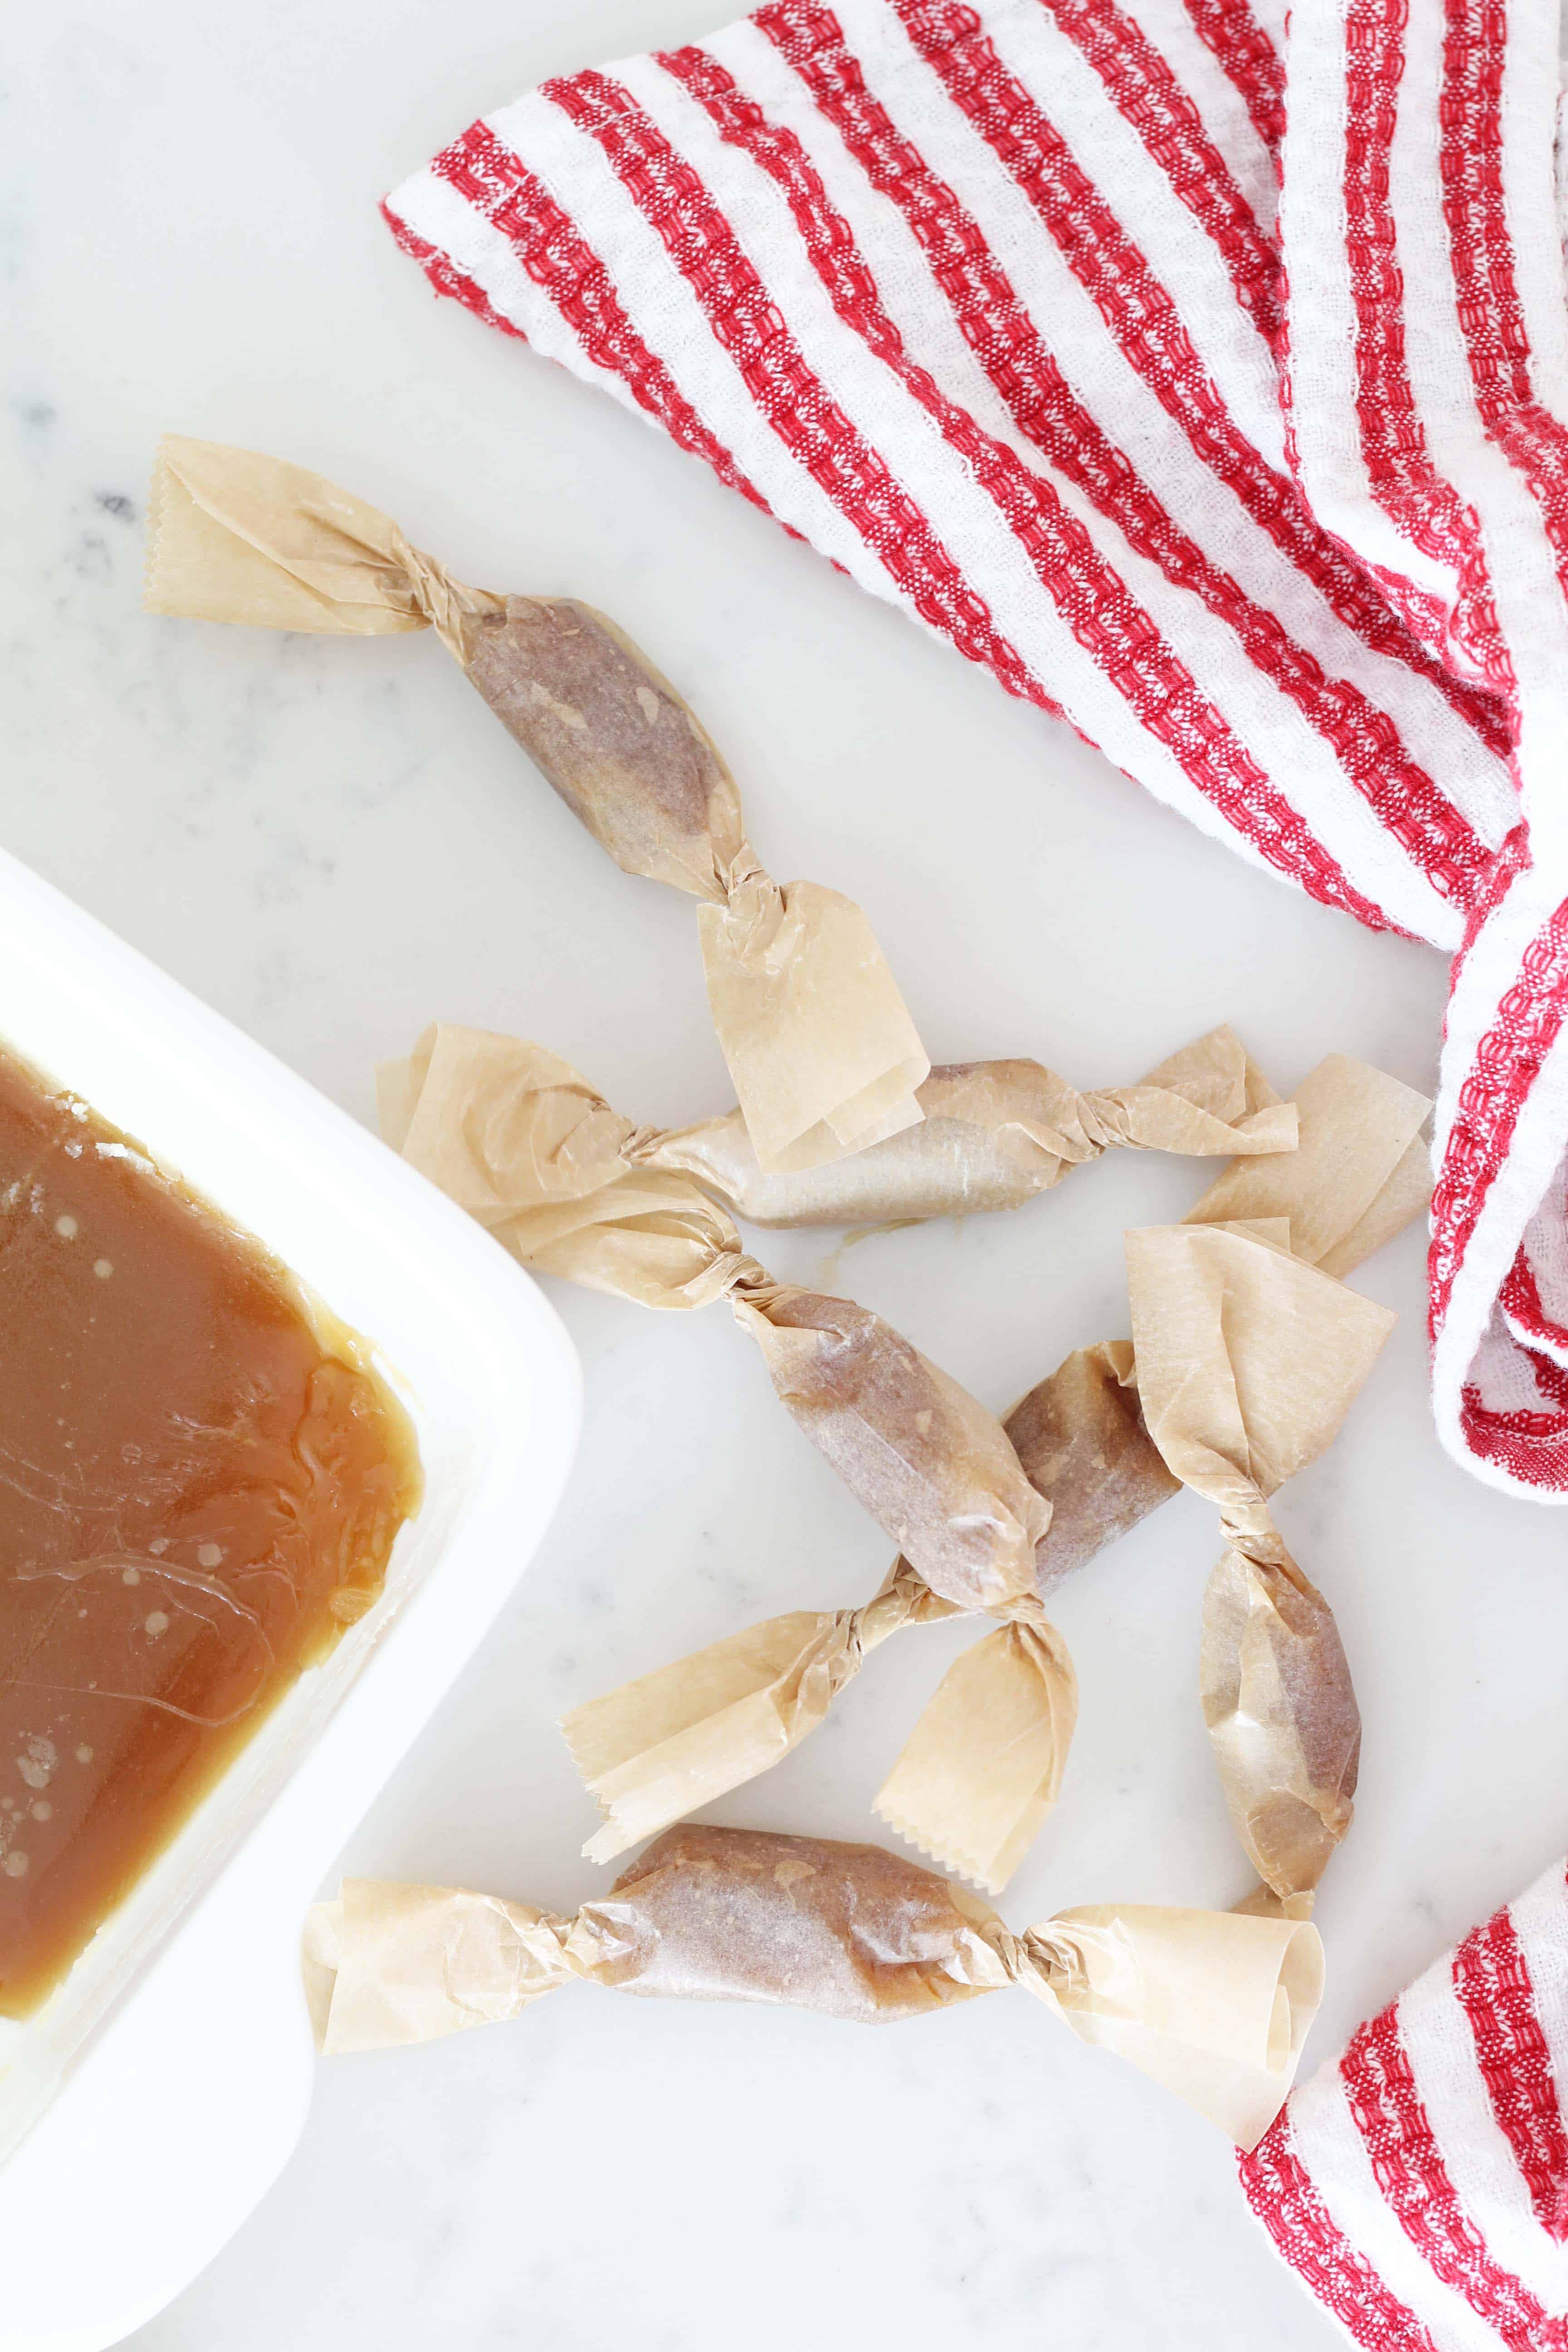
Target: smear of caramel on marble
{"points": [[201, 1478]]}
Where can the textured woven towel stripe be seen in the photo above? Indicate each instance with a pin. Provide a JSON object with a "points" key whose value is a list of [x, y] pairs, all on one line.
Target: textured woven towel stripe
{"points": [[1534, 1297], [993, 306], [1492, 2003], [1251, 59], [1283, 836], [1281, 2192], [1166, 696], [1178, 35], [1419, 2184], [1016, 87], [718, 231], [1145, 89], [562, 302], [1070, 436], [999, 366], [1102, 709], [1481, 2095], [1154, 334], [1183, 429], [1413, 2175], [1528, 2078], [1476, 406]]}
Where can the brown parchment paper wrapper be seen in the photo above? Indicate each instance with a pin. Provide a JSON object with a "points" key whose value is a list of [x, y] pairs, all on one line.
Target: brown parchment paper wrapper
{"points": [[823, 1053], [984, 1764], [1213, 2005], [993, 1135], [545, 1166], [503, 1126], [1358, 1175], [1262, 1903], [1248, 1362]]}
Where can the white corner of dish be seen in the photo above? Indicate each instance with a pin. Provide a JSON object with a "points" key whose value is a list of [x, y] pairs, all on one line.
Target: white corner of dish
{"points": [[159, 2092]]}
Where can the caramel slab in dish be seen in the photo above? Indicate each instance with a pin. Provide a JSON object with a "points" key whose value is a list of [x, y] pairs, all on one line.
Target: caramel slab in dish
{"points": [[201, 1479]]}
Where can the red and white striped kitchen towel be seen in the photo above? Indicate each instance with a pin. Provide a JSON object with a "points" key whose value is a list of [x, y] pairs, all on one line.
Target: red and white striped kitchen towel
{"points": [[1419, 2183], [1208, 382]]}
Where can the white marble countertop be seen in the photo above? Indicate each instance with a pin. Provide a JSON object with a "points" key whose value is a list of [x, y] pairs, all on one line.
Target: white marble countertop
{"points": [[333, 841]]}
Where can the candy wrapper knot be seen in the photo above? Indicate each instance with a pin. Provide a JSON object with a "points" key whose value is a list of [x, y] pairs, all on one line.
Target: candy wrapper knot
{"points": [[984, 1763], [271, 544], [522, 1140], [1213, 2005], [502, 1125], [1247, 1361], [825, 1057], [823, 1053]]}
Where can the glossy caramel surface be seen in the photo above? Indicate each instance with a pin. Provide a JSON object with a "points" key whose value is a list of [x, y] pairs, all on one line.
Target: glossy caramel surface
{"points": [[200, 1484]]}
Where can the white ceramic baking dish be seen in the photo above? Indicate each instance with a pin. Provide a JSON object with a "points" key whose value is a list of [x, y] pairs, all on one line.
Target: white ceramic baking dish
{"points": [[147, 2107]]}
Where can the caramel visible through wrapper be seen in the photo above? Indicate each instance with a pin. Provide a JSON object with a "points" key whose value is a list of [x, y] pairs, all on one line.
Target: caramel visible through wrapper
{"points": [[1080, 1438], [201, 1479], [626, 754], [1247, 1361], [992, 1136], [820, 1044], [1282, 1716], [1213, 2005], [505, 1127], [984, 1762], [930, 1463]]}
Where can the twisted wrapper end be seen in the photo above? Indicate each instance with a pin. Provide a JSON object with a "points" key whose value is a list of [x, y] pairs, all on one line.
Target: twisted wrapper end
{"points": [[526, 1144], [673, 1741], [1213, 2005], [236, 536], [1359, 1174], [389, 1964], [1260, 1902], [1208, 1099], [500, 1125], [1248, 1361], [984, 1765], [1216, 2006], [825, 1057], [976, 1778]]}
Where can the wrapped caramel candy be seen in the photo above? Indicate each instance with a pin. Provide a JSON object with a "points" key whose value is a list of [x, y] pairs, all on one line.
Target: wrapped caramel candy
{"points": [[1215, 2005], [526, 1145], [509, 1130], [993, 1135], [985, 1768], [977, 1777], [823, 1053], [542, 1165], [1248, 1361], [1275, 1687]]}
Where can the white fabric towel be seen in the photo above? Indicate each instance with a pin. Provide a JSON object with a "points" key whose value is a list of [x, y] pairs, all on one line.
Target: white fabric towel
{"points": [[1419, 2183]]}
